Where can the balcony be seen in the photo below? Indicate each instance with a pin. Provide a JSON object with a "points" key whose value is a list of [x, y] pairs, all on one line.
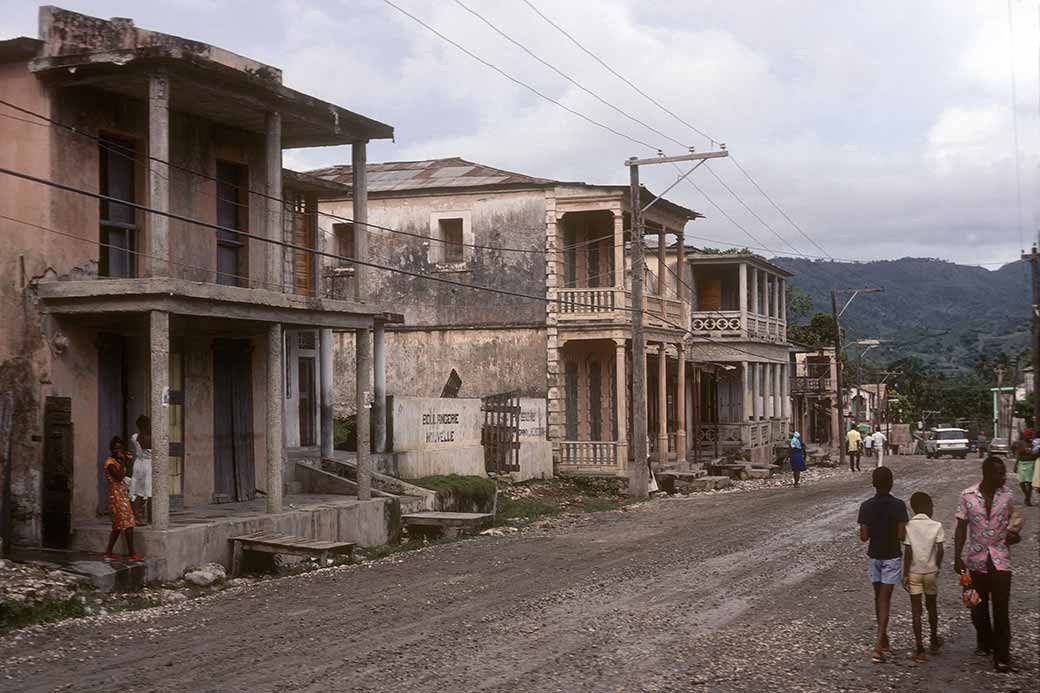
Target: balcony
{"points": [[744, 434], [730, 325], [614, 306], [806, 385]]}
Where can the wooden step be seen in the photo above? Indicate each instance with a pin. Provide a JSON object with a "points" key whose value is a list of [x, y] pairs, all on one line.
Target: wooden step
{"points": [[446, 523]]}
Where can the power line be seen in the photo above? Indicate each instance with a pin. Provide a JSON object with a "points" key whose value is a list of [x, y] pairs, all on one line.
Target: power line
{"points": [[520, 82], [617, 74], [567, 77], [132, 154], [674, 115]]}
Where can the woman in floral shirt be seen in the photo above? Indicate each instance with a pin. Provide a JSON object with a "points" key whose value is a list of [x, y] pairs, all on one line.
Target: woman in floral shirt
{"points": [[985, 524]]}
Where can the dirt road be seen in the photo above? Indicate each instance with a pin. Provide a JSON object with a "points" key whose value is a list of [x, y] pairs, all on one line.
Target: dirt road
{"points": [[746, 591]]}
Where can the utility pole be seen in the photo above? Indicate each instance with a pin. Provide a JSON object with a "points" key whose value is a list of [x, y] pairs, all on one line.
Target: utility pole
{"points": [[1034, 263], [840, 398], [639, 473]]}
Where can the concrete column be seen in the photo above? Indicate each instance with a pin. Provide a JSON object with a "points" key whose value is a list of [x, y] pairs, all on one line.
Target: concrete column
{"points": [[756, 307], [159, 370], [327, 392], [680, 406], [359, 192], [619, 252], [757, 368], [363, 391], [275, 226], [379, 376], [743, 289], [748, 381], [662, 267], [275, 400], [662, 404], [621, 383], [158, 226], [785, 391]]}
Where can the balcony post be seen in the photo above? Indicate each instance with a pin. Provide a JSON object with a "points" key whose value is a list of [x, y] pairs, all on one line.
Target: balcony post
{"points": [[662, 271], [619, 252], [275, 208], [756, 400], [743, 288], [680, 406], [662, 404], [756, 307], [748, 405], [621, 383], [158, 174]]}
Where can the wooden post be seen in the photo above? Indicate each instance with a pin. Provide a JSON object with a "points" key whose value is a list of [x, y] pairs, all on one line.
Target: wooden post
{"points": [[662, 404], [680, 406], [839, 402], [621, 383], [638, 477], [662, 270]]}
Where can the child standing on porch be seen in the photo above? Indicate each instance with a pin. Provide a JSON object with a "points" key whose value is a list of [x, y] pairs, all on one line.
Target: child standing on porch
{"points": [[119, 501]]}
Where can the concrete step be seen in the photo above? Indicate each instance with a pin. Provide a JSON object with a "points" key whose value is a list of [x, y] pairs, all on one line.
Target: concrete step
{"points": [[446, 524], [107, 576], [710, 483]]}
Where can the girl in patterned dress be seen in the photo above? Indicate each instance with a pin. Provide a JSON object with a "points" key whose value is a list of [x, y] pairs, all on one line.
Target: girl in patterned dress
{"points": [[119, 501]]}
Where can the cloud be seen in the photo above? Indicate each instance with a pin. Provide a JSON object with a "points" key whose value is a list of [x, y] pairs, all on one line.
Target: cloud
{"points": [[882, 128]]}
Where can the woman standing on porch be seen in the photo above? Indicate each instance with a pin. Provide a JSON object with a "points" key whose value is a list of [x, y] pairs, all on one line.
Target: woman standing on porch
{"points": [[119, 501], [797, 456]]}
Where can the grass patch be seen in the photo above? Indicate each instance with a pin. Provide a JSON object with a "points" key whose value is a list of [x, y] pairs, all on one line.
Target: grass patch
{"points": [[16, 616], [344, 433], [524, 509], [463, 492]]}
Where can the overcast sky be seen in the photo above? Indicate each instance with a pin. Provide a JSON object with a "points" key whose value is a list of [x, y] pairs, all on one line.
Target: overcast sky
{"points": [[883, 128]]}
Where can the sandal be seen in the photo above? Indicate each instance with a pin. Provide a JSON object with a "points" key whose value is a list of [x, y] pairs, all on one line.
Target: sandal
{"points": [[111, 557], [936, 645], [878, 657], [135, 557], [920, 657]]}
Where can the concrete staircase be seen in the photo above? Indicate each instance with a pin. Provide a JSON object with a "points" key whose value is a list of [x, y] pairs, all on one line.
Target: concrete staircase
{"points": [[340, 477]]}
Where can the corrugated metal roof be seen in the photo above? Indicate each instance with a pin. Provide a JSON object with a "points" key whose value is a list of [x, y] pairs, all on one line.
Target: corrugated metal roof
{"points": [[456, 173], [432, 173]]}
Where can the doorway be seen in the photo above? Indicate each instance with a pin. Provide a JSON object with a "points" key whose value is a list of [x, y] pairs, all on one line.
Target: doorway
{"points": [[112, 398], [233, 464], [308, 401], [57, 472]]}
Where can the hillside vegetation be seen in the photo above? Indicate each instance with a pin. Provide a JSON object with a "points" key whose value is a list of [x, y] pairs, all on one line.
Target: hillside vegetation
{"points": [[945, 314]]}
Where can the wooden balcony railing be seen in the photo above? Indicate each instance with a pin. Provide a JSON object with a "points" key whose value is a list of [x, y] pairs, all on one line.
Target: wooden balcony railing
{"points": [[584, 302], [805, 385]]}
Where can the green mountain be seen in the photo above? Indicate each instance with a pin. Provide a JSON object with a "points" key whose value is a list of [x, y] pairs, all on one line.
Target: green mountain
{"points": [[944, 313]]}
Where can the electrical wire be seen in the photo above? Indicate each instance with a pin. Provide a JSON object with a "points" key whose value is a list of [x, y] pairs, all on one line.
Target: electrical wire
{"points": [[567, 77], [520, 82]]}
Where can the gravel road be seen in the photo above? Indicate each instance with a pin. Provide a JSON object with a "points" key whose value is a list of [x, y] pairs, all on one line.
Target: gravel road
{"points": [[747, 591]]}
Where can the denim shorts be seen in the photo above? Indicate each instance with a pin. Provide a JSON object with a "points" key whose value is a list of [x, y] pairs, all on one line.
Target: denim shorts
{"points": [[886, 571]]}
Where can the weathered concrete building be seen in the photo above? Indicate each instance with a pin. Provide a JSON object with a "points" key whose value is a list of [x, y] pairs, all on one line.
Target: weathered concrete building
{"points": [[148, 283], [561, 328]]}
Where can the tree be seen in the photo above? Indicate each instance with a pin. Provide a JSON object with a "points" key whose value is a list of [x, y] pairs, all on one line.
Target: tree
{"points": [[819, 333], [799, 304]]}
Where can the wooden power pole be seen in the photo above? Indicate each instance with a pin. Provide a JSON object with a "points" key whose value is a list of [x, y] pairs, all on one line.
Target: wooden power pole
{"points": [[1034, 264], [639, 473]]}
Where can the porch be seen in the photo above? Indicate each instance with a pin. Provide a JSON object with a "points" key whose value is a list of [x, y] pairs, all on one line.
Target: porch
{"points": [[200, 534], [740, 298]]}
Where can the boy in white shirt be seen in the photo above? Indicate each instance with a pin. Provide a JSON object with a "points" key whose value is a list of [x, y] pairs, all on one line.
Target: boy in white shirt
{"points": [[923, 554]]}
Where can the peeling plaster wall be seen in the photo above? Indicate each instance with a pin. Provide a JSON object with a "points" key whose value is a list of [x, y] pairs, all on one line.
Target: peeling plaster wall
{"points": [[494, 219], [489, 361], [42, 356]]}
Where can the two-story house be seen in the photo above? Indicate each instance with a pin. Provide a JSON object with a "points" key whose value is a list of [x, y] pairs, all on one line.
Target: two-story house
{"points": [[159, 261], [558, 321], [739, 337]]}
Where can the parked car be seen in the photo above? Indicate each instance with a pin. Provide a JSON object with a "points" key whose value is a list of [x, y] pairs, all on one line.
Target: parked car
{"points": [[947, 441], [999, 446]]}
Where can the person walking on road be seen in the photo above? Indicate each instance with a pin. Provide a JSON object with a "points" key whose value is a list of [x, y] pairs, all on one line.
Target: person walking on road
{"points": [[854, 442], [882, 522], [987, 523], [922, 556], [1025, 462], [878, 441], [797, 456]]}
